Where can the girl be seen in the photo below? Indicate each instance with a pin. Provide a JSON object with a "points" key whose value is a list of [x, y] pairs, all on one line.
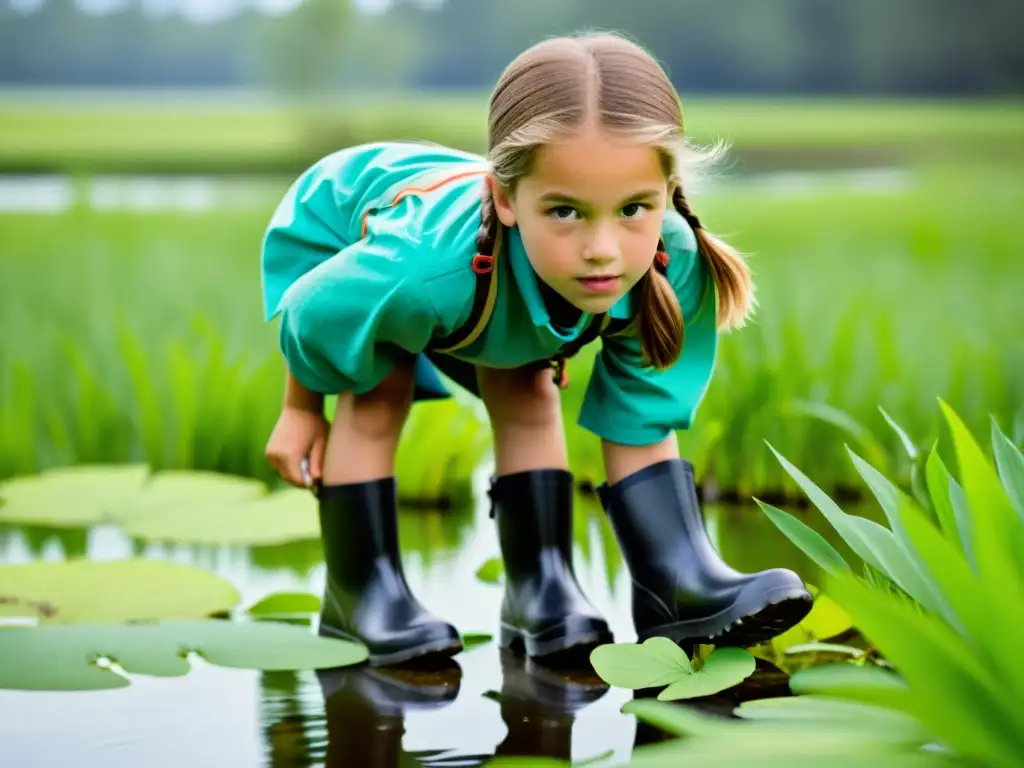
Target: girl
{"points": [[390, 262]]}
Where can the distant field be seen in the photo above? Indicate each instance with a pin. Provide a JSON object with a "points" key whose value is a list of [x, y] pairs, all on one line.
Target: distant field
{"points": [[103, 131]]}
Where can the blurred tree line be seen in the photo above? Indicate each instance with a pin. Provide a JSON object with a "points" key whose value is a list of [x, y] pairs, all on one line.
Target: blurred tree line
{"points": [[928, 47]]}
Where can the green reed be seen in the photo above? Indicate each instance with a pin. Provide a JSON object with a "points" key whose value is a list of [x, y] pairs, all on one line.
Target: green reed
{"points": [[139, 336]]}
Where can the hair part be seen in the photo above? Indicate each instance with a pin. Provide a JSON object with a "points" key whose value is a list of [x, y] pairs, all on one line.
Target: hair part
{"points": [[548, 93]]}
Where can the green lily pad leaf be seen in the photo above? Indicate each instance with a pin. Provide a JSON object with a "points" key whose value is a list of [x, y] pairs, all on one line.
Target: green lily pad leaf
{"points": [[70, 496], [175, 489], [180, 506], [80, 591], [492, 571], [65, 658], [655, 662], [724, 668], [471, 640], [285, 605], [230, 513]]}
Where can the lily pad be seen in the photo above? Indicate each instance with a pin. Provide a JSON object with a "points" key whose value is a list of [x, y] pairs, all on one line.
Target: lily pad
{"points": [[471, 640], [491, 572], [70, 496], [179, 506], [658, 661], [79, 591], [228, 514], [65, 658], [285, 605]]}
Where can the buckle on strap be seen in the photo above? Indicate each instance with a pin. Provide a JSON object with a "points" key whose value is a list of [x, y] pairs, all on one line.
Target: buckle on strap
{"points": [[560, 375]]}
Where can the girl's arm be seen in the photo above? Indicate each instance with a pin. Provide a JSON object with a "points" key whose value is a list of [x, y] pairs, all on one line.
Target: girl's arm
{"points": [[622, 460], [298, 396]]}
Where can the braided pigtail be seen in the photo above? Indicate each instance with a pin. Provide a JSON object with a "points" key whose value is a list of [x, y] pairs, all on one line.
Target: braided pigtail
{"points": [[660, 319], [728, 269], [487, 235]]}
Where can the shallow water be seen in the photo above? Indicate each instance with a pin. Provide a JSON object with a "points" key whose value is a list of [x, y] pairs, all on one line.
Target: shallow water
{"points": [[488, 703]]}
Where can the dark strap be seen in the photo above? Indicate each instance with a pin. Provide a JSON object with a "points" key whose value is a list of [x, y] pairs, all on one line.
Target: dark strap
{"points": [[484, 295]]}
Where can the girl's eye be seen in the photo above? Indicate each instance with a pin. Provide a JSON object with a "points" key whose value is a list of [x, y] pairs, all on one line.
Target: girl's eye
{"points": [[562, 213], [634, 210]]}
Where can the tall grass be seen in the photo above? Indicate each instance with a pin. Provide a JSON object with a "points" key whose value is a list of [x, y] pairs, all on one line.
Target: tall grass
{"points": [[138, 336]]}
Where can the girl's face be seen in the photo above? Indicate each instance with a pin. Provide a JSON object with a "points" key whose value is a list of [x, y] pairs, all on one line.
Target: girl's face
{"points": [[590, 215]]}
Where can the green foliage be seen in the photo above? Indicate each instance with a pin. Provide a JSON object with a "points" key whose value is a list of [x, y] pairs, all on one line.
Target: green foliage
{"points": [[95, 656], [492, 571], [953, 628], [284, 606], [151, 348], [77, 591], [183, 506], [660, 662]]}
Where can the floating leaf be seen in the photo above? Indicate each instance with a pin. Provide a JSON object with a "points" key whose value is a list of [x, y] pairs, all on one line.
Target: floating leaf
{"points": [[79, 591], [812, 543], [181, 506], [492, 571], [285, 605], [232, 516], [472, 640], [724, 668], [654, 663], [70, 496], [64, 658]]}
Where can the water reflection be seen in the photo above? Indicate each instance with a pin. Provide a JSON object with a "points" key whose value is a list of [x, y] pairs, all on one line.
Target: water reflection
{"points": [[487, 703], [539, 706]]}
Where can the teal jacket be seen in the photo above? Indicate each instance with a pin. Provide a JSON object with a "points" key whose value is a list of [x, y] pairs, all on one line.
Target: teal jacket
{"points": [[370, 253]]}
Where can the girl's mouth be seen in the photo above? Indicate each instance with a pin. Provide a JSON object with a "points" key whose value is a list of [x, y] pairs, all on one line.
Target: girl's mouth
{"points": [[600, 283]]}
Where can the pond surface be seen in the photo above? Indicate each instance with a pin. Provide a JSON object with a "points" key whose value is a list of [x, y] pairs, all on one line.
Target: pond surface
{"points": [[486, 703]]}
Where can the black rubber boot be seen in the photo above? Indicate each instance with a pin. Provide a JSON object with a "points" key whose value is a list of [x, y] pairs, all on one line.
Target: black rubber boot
{"points": [[367, 598], [682, 589], [544, 606]]}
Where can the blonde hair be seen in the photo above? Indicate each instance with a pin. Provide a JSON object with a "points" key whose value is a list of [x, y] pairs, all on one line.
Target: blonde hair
{"points": [[551, 90]]}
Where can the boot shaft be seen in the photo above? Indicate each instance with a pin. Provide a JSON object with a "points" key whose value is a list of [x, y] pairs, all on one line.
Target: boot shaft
{"points": [[359, 527], [533, 511]]}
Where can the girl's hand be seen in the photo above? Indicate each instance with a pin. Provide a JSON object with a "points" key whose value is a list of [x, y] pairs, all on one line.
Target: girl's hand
{"points": [[300, 434]]}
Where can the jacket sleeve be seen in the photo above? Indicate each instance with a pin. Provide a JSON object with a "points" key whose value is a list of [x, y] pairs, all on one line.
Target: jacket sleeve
{"points": [[346, 321], [631, 404]]}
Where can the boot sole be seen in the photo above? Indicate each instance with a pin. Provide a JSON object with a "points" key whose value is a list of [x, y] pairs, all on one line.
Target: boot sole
{"points": [[554, 641], [434, 649], [743, 624]]}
